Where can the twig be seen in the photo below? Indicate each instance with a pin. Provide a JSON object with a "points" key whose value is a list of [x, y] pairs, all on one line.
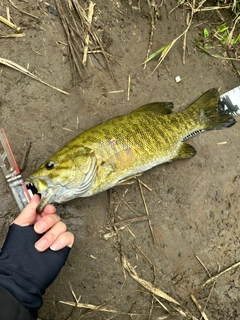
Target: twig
{"points": [[185, 40], [74, 295], [29, 14], [25, 157], [144, 184], [150, 41], [13, 35], [221, 273], [97, 308], [129, 221], [162, 305], [184, 313], [89, 18], [146, 209], [212, 8], [128, 88], [210, 293], [17, 67], [67, 129], [116, 91], [10, 24], [130, 231], [108, 235], [154, 281], [148, 260], [230, 36], [8, 13], [203, 314], [129, 207], [151, 307], [146, 284], [203, 265]]}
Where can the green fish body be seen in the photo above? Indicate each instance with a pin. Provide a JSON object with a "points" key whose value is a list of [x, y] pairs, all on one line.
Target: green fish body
{"points": [[113, 152]]}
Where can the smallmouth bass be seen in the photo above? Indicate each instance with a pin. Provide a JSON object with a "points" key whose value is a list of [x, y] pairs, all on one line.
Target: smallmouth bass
{"points": [[115, 151]]}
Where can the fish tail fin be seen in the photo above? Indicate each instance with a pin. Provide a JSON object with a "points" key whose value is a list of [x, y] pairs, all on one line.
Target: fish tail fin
{"points": [[210, 117]]}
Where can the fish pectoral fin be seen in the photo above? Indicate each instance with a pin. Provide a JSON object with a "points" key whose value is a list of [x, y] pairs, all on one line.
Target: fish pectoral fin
{"points": [[128, 180], [185, 151], [156, 107]]}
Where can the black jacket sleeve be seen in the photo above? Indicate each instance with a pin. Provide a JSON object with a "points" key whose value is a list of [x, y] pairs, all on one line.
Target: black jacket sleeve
{"points": [[11, 309], [24, 272]]}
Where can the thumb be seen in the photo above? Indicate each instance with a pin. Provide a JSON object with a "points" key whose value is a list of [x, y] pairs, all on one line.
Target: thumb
{"points": [[28, 215]]}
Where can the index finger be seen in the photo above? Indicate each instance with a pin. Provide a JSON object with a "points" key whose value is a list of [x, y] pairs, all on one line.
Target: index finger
{"points": [[28, 215], [49, 209]]}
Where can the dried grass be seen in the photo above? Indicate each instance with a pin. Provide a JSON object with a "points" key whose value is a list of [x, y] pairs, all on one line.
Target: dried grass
{"points": [[196, 7], [19, 68], [81, 35]]}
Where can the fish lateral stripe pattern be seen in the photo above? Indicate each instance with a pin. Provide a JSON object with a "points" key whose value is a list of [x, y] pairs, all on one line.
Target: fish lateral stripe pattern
{"points": [[122, 147]]}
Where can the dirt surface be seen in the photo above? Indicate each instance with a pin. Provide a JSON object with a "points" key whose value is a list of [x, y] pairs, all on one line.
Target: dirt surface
{"points": [[193, 205]]}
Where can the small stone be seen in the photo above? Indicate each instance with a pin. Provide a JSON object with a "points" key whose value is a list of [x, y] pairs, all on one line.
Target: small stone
{"points": [[178, 79]]}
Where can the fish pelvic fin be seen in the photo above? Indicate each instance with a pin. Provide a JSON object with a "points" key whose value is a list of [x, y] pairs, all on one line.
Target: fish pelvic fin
{"points": [[185, 151], [156, 107], [206, 109]]}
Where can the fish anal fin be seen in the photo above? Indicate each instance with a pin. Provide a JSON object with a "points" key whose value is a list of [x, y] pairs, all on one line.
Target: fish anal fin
{"points": [[157, 107], [185, 151]]}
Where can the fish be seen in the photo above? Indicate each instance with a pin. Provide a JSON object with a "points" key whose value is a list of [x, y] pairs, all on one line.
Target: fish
{"points": [[114, 152]]}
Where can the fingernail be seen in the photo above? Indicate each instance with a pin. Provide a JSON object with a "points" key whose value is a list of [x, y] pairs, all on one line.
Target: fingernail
{"points": [[40, 226], [56, 245], [41, 244]]}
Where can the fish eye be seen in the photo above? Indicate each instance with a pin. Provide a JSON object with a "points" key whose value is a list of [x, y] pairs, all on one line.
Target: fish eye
{"points": [[50, 165]]}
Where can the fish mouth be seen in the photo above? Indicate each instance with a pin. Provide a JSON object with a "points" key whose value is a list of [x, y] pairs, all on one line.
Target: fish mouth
{"points": [[32, 188], [47, 193], [50, 194]]}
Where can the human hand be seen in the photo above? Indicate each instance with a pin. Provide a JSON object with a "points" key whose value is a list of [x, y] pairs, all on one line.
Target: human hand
{"points": [[36, 247], [56, 235]]}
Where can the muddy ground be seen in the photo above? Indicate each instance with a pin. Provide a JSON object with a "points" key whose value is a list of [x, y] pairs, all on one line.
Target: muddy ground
{"points": [[193, 204]]}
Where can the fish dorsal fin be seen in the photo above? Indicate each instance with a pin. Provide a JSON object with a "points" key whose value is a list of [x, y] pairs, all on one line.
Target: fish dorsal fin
{"points": [[157, 107]]}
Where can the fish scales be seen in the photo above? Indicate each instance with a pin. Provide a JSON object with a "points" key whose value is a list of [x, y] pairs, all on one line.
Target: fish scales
{"points": [[115, 151], [140, 136]]}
